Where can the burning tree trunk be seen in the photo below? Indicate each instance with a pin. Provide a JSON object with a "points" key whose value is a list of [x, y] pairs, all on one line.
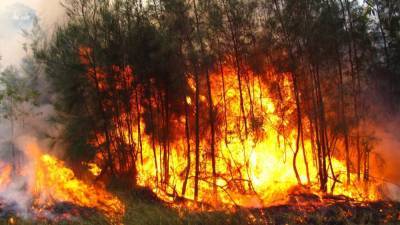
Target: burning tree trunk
{"points": [[204, 65], [299, 125], [197, 139], [230, 14], [187, 133], [139, 129], [110, 162], [212, 127]]}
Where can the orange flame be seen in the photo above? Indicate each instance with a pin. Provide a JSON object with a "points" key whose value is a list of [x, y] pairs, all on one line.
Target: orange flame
{"points": [[256, 170], [254, 152], [55, 181], [49, 181]]}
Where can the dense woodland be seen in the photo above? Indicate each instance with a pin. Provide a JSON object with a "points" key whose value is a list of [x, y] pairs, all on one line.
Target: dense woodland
{"points": [[123, 71]]}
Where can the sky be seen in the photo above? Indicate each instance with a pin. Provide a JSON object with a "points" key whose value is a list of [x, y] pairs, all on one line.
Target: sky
{"points": [[17, 15]]}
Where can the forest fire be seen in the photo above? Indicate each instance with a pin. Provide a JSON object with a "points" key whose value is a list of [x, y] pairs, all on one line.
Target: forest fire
{"points": [[258, 156], [205, 112], [254, 169], [48, 184]]}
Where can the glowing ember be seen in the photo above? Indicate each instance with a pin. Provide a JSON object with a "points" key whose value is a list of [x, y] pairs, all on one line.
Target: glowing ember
{"points": [[94, 169]]}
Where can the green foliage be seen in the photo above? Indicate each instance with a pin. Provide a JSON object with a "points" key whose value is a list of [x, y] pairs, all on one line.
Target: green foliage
{"points": [[14, 91]]}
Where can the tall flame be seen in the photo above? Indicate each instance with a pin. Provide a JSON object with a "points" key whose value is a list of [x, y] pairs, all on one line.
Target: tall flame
{"points": [[252, 170], [255, 141]]}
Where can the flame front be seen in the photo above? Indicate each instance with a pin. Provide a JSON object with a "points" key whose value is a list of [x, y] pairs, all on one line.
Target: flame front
{"points": [[258, 154], [254, 169]]}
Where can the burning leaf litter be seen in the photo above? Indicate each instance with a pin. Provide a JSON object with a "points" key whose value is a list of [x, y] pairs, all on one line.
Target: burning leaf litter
{"points": [[51, 188]]}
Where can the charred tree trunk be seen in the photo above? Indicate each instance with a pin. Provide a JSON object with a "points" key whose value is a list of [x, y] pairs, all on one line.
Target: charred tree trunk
{"points": [[197, 138], [139, 129], [187, 133], [224, 102], [197, 120], [237, 61], [344, 125], [299, 126], [210, 101], [153, 136], [212, 127]]}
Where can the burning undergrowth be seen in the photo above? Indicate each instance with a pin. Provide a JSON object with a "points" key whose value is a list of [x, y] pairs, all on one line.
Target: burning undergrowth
{"points": [[38, 186]]}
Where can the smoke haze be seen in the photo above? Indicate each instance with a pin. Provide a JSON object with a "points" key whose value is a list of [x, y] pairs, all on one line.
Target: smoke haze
{"points": [[18, 15]]}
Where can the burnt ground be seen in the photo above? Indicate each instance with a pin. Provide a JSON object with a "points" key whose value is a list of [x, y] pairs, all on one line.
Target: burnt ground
{"points": [[337, 214], [334, 213], [331, 210], [306, 213], [144, 208], [57, 213]]}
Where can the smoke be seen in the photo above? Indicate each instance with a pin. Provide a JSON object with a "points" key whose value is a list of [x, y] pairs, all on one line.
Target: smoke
{"points": [[22, 139], [18, 15], [18, 155], [389, 149], [384, 125]]}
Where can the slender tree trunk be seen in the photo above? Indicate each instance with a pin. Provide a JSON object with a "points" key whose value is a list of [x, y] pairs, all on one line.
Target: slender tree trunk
{"points": [[14, 158], [105, 119], [343, 116], [385, 43], [187, 133], [356, 87], [320, 131], [166, 137], [237, 61], [197, 121], [305, 156], [197, 138], [224, 99], [138, 109], [366, 163], [153, 144], [212, 127], [299, 125]]}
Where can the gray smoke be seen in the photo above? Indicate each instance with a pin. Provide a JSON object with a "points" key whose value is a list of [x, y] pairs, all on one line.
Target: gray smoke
{"points": [[18, 15], [31, 129]]}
